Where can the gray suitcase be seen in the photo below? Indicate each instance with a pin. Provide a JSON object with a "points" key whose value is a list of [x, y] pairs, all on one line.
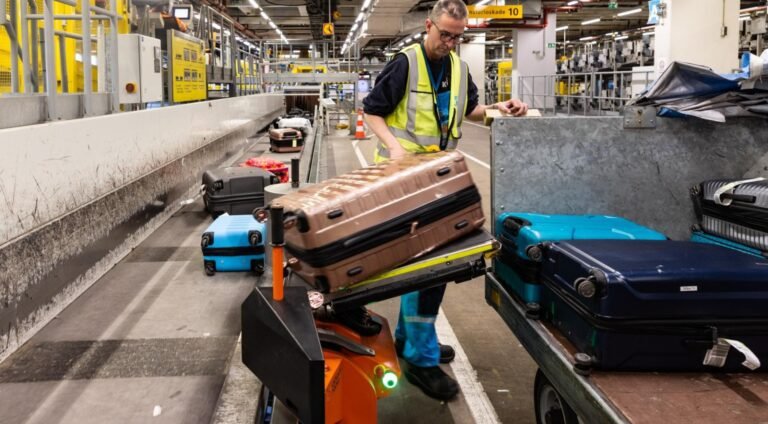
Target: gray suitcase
{"points": [[736, 210]]}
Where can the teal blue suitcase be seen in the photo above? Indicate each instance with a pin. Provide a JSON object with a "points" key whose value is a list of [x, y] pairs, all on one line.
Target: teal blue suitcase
{"points": [[702, 237], [522, 234], [234, 243]]}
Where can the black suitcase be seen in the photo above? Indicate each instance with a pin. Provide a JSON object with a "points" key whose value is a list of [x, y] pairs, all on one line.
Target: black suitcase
{"points": [[655, 305], [235, 190], [734, 210]]}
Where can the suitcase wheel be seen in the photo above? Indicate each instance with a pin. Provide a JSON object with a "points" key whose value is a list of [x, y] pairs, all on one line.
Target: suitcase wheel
{"points": [[206, 240], [210, 268], [254, 237], [582, 364], [534, 253], [257, 267]]}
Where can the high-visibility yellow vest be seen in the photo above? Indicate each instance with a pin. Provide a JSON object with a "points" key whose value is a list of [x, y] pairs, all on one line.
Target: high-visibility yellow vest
{"points": [[413, 122]]}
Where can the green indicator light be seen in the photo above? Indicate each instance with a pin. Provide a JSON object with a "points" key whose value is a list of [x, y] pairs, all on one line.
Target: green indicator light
{"points": [[389, 380]]}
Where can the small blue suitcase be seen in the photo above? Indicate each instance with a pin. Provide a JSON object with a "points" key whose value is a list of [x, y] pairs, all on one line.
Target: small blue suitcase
{"points": [[234, 243], [521, 236], [655, 305], [702, 237]]}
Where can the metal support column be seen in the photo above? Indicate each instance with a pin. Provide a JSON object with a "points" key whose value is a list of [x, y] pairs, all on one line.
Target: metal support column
{"points": [[85, 24], [63, 63], [50, 60], [113, 74], [11, 29]]}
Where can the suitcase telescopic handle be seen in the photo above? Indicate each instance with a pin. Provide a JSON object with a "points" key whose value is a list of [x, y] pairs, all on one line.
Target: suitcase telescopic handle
{"points": [[743, 198], [295, 173]]}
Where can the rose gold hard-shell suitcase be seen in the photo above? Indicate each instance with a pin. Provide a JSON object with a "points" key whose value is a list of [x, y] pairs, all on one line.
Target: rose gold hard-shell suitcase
{"points": [[356, 225], [285, 140]]}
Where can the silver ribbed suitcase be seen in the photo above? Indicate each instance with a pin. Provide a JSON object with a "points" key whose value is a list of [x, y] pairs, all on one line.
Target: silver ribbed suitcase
{"points": [[736, 210]]}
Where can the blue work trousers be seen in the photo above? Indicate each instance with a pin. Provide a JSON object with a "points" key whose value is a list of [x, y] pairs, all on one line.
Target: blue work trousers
{"points": [[416, 326]]}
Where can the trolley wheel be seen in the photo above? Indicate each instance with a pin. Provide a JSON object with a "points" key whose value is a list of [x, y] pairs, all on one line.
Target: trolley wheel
{"points": [[210, 268], [550, 407]]}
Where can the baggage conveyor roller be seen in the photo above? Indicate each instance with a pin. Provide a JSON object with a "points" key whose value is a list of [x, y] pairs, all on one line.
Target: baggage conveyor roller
{"points": [[299, 354]]}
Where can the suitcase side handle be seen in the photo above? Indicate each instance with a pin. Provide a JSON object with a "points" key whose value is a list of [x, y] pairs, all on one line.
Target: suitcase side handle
{"points": [[743, 198], [443, 171], [724, 195]]}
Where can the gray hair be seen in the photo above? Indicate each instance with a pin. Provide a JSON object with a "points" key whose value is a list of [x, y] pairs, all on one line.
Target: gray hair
{"points": [[455, 9]]}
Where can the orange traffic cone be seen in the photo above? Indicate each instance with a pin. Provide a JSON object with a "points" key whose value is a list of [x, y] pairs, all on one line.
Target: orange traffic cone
{"points": [[360, 128]]}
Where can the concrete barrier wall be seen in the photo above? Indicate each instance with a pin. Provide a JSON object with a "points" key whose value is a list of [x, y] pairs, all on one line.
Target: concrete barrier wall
{"points": [[76, 196], [592, 165]]}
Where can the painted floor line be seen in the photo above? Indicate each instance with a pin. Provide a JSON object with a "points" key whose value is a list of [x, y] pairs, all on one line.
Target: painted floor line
{"points": [[359, 154], [474, 159], [477, 400]]}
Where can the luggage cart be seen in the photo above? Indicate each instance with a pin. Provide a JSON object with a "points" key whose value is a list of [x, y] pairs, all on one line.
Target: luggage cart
{"points": [[567, 391]]}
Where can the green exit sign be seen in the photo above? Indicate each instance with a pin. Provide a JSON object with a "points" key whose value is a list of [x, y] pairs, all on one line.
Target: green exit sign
{"points": [[551, 45], [613, 4]]}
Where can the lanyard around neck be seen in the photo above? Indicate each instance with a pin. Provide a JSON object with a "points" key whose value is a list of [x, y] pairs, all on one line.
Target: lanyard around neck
{"points": [[435, 83]]}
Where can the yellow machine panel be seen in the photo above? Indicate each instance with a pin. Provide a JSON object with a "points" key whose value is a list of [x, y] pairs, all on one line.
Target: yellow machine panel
{"points": [[187, 68], [505, 80]]}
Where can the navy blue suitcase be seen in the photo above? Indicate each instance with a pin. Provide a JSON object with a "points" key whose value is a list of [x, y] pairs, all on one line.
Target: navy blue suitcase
{"points": [[655, 305], [522, 234], [234, 243]]}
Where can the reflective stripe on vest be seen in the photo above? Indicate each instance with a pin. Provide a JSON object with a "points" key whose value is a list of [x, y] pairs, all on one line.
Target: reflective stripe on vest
{"points": [[413, 122]]}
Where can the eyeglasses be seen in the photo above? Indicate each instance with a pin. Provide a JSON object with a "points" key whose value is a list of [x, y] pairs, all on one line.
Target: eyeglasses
{"points": [[446, 36]]}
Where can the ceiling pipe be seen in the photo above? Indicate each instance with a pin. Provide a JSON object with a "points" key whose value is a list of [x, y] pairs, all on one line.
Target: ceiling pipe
{"points": [[223, 10]]}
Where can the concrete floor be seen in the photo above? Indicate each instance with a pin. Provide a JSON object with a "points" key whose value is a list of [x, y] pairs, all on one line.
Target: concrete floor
{"points": [[153, 339]]}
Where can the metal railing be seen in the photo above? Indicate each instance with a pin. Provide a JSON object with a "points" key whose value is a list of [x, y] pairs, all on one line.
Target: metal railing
{"points": [[21, 18], [589, 93]]}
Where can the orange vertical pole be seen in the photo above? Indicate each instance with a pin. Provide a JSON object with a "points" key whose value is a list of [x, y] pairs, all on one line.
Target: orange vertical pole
{"points": [[278, 237]]}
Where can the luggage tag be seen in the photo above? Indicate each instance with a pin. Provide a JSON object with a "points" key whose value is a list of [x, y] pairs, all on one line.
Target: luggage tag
{"points": [[717, 355], [728, 188]]}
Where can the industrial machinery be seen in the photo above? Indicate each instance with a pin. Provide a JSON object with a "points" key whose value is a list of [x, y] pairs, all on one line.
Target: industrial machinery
{"points": [[318, 369]]}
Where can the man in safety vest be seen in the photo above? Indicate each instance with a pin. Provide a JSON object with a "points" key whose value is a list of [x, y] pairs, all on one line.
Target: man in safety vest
{"points": [[417, 106]]}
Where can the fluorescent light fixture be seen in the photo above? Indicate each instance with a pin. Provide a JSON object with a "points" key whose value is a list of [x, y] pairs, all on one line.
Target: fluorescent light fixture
{"points": [[482, 2], [622, 37], [215, 25], [745, 18], [354, 27], [631, 12], [649, 33], [366, 3], [562, 28], [272, 24], [359, 17], [591, 21], [408, 40], [264, 15], [417, 36], [591, 43], [253, 3], [585, 38], [573, 3]]}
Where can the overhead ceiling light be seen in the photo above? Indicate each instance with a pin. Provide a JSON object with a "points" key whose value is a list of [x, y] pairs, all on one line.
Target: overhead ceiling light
{"points": [[622, 37], [482, 2], [417, 36], [272, 24], [366, 3], [354, 27], [630, 12], [649, 33], [591, 21], [360, 17], [745, 18], [562, 28], [408, 40], [585, 38], [573, 3], [253, 3], [264, 15]]}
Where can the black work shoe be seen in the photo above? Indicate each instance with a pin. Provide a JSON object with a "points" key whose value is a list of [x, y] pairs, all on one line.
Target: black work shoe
{"points": [[433, 381], [446, 352], [359, 321]]}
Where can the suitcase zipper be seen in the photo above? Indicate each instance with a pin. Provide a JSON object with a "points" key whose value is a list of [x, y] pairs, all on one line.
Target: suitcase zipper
{"points": [[391, 230], [233, 251]]}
